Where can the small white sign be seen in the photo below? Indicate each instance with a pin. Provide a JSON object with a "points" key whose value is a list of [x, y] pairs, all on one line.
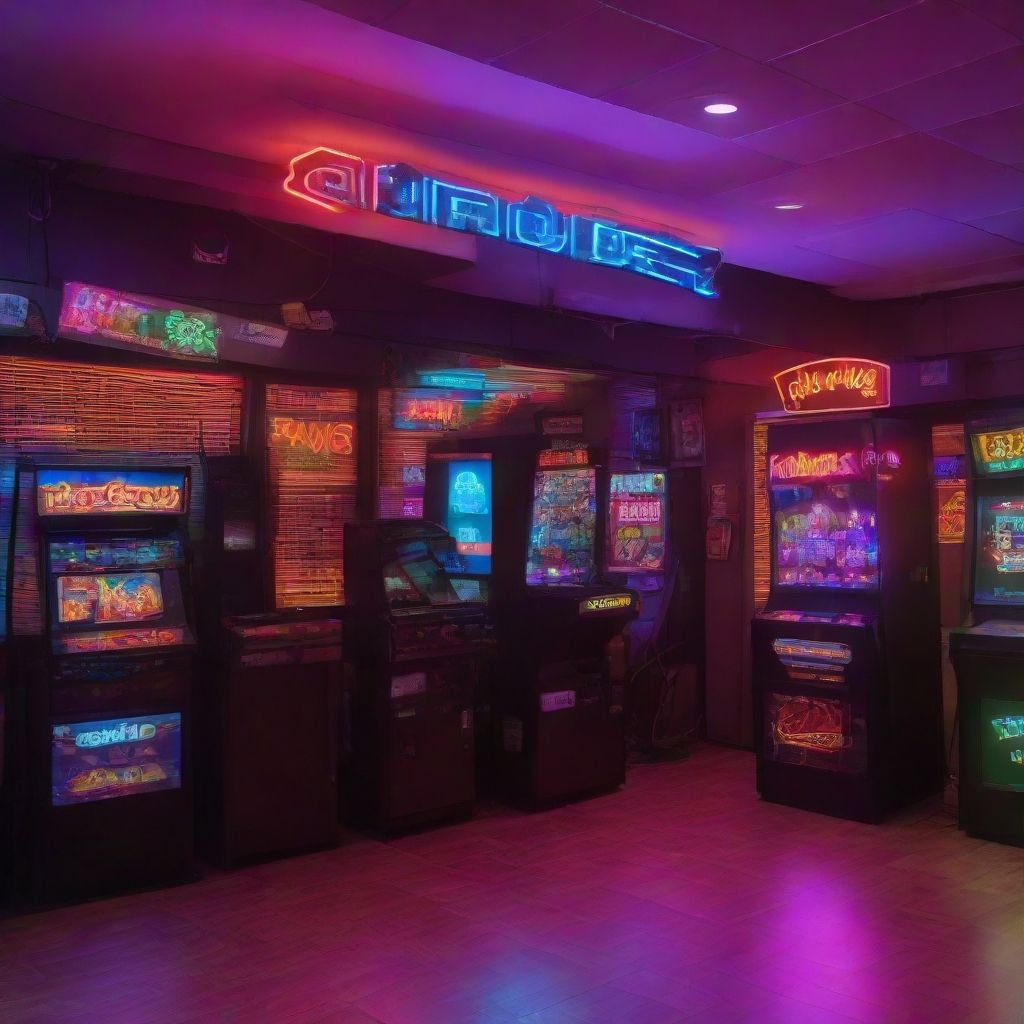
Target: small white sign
{"points": [[408, 685], [558, 700]]}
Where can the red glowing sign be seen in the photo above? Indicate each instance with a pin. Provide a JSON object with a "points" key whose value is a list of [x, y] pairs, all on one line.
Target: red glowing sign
{"points": [[813, 465], [833, 385], [318, 438], [549, 457]]}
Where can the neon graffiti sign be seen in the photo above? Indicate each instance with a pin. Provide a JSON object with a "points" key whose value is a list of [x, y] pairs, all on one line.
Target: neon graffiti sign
{"points": [[337, 181], [334, 438], [803, 465], [138, 321], [834, 385]]}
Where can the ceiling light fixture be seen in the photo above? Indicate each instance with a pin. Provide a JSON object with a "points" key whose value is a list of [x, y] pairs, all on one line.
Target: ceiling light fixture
{"points": [[789, 206], [720, 108]]}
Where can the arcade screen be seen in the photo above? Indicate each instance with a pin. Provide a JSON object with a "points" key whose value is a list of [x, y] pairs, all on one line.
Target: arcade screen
{"points": [[825, 535], [416, 572], [101, 760], [468, 513], [562, 530], [999, 563], [109, 598], [636, 522], [1002, 744]]}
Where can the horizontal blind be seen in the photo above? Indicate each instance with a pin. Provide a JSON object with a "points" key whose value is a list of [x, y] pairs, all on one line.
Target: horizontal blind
{"points": [[312, 476]]}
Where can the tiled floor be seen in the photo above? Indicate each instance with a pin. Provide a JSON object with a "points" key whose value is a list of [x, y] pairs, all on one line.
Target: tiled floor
{"points": [[679, 898]]}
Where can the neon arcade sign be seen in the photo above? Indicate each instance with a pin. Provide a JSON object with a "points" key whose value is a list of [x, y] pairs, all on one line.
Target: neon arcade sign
{"points": [[337, 181], [834, 385]]}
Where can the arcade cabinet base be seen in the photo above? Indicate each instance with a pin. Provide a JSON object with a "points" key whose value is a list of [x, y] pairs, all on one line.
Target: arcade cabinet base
{"points": [[821, 791]]}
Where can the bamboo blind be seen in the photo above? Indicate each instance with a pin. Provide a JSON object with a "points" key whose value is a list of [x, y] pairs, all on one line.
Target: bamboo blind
{"points": [[762, 518], [403, 464], [312, 495], [73, 407]]}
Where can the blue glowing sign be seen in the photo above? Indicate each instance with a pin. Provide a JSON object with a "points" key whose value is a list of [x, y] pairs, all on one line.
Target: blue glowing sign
{"points": [[336, 180]]}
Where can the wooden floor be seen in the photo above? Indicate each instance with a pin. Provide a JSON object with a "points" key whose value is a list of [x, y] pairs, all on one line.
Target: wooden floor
{"points": [[679, 898]]}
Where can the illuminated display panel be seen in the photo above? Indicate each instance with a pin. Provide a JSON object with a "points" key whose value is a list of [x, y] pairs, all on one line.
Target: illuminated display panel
{"points": [[311, 463], [76, 554], [434, 408], [562, 530], [831, 385], [999, 451], [811, 731], [468, 516], [1002, 744], [825, 536], [100, 492], [999, 562], [636, 522], [110, 758], [109, 598], [112, 640]]}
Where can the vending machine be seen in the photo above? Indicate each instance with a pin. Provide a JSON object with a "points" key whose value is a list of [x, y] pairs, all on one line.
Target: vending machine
{"points": [[988, 652], [847, 684], [563, 663], [416, 646], [110, 709]]}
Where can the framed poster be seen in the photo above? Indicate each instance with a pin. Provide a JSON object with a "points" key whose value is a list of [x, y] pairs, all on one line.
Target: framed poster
{"points": [[648, 436], [686, 432]]}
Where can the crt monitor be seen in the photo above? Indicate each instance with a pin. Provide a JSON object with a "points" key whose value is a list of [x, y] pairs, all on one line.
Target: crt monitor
{"points": [[825, 535], [999, 560], [562, 528]]}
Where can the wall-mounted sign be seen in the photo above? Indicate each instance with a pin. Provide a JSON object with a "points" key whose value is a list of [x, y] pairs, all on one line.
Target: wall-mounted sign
{"points": [[139, 321], [686, 432], [434, 408], [951, 499], [999, 451], [605, 603], [62, 492], [834, 385], [648, 435], [337, 181], [563, 424], [462, 380]]}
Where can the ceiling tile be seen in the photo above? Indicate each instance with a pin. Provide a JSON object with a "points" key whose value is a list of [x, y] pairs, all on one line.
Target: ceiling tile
{"points": [[998, 136], [826, 133], [980, 87], [372, 12], [922, 40], [1007, 13], [758, 29], [913, 171], [480, 30], [912, 240], [765, 97], [600, 52], [1009, 224]]}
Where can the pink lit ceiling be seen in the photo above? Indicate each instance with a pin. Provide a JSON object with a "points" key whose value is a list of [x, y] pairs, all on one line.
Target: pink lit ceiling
{"points": [[898, 124]]}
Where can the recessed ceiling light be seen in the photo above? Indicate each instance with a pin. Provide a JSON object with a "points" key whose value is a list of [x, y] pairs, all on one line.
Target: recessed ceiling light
{"points": [[789, 206], [721, 108]]}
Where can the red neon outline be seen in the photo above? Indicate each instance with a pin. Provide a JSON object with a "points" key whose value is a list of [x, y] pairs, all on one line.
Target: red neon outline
{"points": [[837, 408], [333, 207]]}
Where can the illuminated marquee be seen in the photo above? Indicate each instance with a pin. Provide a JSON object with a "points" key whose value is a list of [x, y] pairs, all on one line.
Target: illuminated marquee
{"points": [[432, 409], [138, 321], [337, 181], [813, 465], [1001, 451], [318, 438], [555, 457], [126, 732], [77, 492], [605, 603], [834, 385]]}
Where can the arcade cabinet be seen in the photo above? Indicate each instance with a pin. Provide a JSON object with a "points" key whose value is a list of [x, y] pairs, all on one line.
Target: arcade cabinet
{"points": [[846, 674], [273, 696], [416, 647], [7, 482], [563, 664], [111, 715], [988, 653]]}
